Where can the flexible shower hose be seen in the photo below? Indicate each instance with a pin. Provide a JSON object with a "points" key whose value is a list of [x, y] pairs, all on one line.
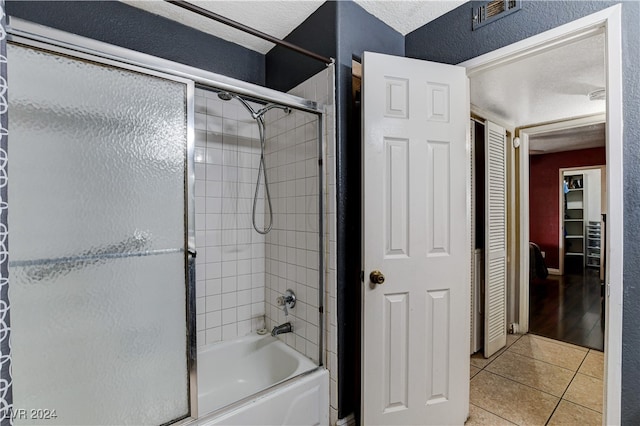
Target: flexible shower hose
{"points": [[262, 173]]}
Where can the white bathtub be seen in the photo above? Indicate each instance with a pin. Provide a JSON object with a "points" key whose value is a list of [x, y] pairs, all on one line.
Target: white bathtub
{"points": [[235, 370]]}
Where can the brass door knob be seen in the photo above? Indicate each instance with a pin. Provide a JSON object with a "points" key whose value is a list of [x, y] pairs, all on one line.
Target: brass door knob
{"points": [[376, 277]]}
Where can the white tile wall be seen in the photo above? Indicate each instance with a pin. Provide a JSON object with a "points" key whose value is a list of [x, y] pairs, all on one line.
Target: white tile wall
{"points": [[292, 247], [320, 88], [239, 272], [230, 264]]}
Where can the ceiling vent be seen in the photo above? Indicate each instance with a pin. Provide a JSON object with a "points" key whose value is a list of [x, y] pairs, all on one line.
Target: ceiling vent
{"points": [[485, 12]]}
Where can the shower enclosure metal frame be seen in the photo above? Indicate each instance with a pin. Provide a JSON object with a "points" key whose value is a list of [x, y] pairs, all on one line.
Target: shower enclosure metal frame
{"points": [[40, 37]]}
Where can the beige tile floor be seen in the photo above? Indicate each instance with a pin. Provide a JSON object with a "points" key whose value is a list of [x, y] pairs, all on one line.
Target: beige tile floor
{"points": [[537, 381]]}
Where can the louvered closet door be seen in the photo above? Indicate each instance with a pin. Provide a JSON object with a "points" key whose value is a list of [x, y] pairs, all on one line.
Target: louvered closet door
{"points": [[495, 319]]}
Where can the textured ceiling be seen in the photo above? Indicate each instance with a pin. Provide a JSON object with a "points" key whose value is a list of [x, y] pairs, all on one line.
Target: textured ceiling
{"points": [[406, 16], [276, 18], [550, 86], [590, 136], [279, 17]]}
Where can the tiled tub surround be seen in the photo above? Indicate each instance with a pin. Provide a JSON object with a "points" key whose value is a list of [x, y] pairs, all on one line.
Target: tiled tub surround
{"points": [[283, 248], [231, 255], [321, 88], [292, 249], [292, 246], [233, 291]]}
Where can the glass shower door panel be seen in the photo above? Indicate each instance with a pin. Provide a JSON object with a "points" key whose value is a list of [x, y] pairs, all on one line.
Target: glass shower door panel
{"points": [[97, 222]]}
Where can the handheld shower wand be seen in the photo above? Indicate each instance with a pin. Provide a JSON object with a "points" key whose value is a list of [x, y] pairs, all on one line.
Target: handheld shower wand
{"points": [[262, 170]]}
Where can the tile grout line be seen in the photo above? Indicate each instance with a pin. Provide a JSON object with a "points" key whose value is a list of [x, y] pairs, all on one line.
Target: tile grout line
{"points": [[564, 342], [531, 387], [589, 375], [580, 405], [481, 369], [497, 415], [539, 360], [498, 355], [524, 384], [560, 399], [566, 389], [546, 362], [559, 342], [511, 380]]}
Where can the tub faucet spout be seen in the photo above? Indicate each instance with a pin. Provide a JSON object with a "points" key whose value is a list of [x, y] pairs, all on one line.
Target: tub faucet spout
{"points": [[281, 329]]}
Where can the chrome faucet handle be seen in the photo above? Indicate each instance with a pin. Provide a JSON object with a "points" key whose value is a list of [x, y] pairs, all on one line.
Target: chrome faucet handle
{"points": [[288, 301], [280, 301]]}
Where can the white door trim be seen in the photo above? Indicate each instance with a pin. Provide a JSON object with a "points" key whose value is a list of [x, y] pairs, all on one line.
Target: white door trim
{"points": [[609, 20]]}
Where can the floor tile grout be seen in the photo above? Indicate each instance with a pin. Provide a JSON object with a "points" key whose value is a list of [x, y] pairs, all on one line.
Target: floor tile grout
{"points": [[566, 389], [580, 405], [589, 375], [540, 360], [558, 343], [524, 384], [560, 399], [584, 349], [497, 415]]}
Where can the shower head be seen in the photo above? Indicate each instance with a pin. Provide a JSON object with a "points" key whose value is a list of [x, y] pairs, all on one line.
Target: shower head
{"points": [[261, 112], [225, 96]]}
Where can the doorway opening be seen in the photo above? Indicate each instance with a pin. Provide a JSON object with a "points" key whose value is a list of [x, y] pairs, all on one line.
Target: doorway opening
{"points": [[568, 303], [566, 40]]}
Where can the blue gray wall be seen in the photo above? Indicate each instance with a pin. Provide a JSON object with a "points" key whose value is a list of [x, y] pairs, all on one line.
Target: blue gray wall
{"points": [[357, 31], [285, 69], [126, 26], [449, 39]]}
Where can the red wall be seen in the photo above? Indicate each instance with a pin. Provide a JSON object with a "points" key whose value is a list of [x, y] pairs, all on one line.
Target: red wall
{"points": [[544, 195]]}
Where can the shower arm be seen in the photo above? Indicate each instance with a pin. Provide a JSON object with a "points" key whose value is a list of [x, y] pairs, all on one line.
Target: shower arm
{"points": [[253, 113], [259, 115]]}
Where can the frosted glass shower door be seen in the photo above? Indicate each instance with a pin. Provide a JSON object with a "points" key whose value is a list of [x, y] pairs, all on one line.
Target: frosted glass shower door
{"points": [[97, 240]]}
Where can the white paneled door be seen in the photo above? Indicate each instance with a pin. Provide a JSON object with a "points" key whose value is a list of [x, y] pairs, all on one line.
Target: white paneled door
{"points": [[416, 242]]}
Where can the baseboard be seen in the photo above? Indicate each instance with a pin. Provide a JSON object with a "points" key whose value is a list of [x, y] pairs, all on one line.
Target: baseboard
{"points": [[554, 271], [350, 420]]}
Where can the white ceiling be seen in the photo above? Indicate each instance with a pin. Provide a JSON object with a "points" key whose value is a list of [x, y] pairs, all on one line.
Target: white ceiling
{"points": [[550, 86], [590, 136], [406, 16], [276, 18], [279, 17]]}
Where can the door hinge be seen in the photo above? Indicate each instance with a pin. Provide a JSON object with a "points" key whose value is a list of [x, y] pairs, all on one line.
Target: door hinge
{"points": [[362, 276], [319, 161], [608, 289], [321, 309]]}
